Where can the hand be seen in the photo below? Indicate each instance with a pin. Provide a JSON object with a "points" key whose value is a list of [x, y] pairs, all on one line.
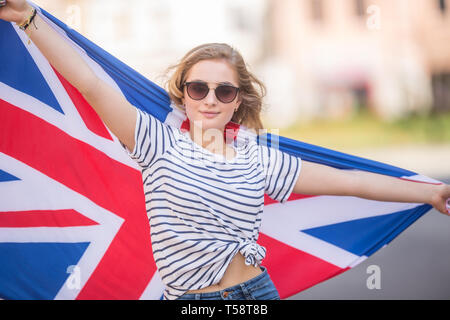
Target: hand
{"points": [[15, 11], [440, 199]]}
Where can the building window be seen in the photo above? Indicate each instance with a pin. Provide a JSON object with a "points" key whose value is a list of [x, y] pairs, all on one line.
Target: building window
{"points": [[317, 10], [360, 8], [440, 83]]}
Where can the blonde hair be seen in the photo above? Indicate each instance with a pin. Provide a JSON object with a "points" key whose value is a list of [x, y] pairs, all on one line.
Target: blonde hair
{"points": [[250, 108]]}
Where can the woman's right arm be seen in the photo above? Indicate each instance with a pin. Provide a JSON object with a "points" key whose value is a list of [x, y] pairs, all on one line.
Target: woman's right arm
{"points": [[115, 111]]}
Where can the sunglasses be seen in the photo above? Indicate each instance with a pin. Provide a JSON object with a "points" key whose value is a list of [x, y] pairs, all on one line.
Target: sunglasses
{"points": [[198, 90]]}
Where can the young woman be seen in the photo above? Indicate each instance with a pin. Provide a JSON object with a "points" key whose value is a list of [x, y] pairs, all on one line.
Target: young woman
{"points": [[205, 195]]}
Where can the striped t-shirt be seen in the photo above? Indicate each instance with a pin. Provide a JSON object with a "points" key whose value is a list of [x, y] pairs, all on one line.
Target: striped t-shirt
{"points": [[203, 208]]}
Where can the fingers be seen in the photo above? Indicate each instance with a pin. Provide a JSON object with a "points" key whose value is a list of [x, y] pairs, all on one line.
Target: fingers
{"points": [[444, 208]]}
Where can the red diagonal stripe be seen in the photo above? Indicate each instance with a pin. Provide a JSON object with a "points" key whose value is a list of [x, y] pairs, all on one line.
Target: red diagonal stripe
{"points": [[304, 270], [71, 162], [294, 196], [128, 265], [87, 113], [44, 218]]}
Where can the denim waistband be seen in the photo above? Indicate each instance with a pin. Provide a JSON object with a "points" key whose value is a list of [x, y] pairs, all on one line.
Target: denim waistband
{"points": [[241, 289]]}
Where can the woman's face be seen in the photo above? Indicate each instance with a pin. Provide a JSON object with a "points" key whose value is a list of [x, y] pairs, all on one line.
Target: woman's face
{"points": [[209, 112]]}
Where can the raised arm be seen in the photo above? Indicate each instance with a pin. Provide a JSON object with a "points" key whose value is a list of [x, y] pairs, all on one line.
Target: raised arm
{"points": [[317, 179], [117, 113]]}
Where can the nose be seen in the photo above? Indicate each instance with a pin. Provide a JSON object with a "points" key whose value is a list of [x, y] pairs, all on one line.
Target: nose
{"points": [[211, 98]]}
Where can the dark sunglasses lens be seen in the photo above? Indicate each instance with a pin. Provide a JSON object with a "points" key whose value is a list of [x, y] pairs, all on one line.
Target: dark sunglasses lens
{"points": [[197, 91], [226, 94]]}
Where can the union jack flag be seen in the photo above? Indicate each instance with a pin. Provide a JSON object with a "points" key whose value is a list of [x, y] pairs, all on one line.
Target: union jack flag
{"points": [[73, 223]]}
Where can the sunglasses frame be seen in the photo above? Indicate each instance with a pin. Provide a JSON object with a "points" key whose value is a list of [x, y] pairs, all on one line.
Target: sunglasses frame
{"points": [[186, 84]]}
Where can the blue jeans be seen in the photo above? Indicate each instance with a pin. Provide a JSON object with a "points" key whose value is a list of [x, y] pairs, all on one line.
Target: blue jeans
{"points": [[260, 287]]}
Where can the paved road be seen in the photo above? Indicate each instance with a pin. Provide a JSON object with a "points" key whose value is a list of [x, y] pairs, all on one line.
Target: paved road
{"points": [[416, 265]]}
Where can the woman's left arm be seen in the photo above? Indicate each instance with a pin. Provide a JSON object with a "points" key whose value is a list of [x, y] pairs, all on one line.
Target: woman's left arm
{"points": [[317, 179]]}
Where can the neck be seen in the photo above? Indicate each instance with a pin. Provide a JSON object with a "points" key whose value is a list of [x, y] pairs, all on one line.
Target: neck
{"points": [[212, 140]]}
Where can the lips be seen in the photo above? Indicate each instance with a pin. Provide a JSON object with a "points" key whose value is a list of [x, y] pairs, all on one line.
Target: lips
{"points": [[210, 115]]}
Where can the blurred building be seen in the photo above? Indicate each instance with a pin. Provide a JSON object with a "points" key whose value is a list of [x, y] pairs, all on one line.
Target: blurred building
{"points": [[152, 35], [390, 57], [318, 58]]}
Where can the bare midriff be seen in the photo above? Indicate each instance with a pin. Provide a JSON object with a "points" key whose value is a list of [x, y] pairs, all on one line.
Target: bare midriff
{"points": [[237, 272]]}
